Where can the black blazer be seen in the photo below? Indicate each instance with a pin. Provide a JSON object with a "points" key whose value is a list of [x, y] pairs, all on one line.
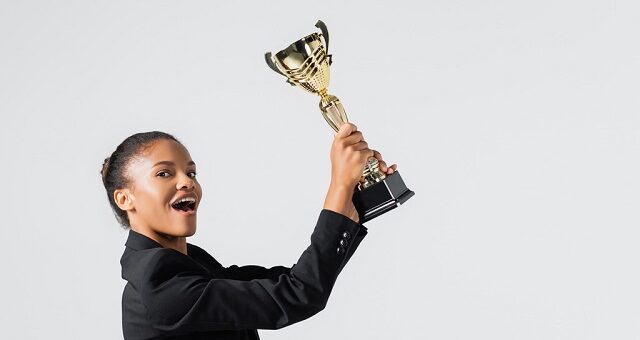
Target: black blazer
{"points": [[170, 295]]}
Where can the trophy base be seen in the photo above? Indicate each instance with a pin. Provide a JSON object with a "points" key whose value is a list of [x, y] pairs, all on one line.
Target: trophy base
{"points": [[381, 197]]}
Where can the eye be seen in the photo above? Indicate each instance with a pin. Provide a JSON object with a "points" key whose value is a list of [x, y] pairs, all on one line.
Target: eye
{"points": [[162, 172]]}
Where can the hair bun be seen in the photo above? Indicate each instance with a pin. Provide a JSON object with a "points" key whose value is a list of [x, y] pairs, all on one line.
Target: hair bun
{"points": [[105, 166]]}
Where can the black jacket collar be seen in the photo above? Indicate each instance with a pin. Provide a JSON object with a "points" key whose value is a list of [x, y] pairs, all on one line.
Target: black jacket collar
{"points": [[137, 241]]}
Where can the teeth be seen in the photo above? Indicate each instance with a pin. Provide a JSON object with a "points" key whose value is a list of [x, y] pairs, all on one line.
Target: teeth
{"points": [[186, 199]]}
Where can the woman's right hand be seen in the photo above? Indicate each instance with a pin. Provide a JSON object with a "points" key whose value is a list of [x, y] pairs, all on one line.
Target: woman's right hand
{"points": [[349, 155]]}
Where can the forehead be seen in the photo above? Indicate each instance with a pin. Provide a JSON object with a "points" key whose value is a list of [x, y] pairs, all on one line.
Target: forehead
{"points": [[161, 150], [168, 149]]}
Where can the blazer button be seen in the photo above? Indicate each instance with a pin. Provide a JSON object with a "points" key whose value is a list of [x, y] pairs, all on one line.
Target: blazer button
{"points": [[344, 242], [346, 235], [340, 250]]}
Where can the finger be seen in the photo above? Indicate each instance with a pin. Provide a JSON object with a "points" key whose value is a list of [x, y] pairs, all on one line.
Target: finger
{"points": [[392, 169], [354, 138], [366, 153], [377, 155], [346, 129], [360, 146], [383, 165]]}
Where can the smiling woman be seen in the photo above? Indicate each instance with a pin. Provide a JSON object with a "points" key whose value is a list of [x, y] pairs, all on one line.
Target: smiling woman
{"points": [[151, 186], [113, 171], [176, 289]]}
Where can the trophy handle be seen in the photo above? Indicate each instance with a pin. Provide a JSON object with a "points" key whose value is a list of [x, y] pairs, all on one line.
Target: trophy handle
{"points": [[267, 58], [325, 33]]}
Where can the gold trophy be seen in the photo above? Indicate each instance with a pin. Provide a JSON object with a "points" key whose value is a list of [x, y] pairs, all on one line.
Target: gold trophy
{"points": [[305, 64]]}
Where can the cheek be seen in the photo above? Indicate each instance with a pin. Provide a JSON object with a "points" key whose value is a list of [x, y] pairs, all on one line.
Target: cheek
{"points": [[153, 198]]}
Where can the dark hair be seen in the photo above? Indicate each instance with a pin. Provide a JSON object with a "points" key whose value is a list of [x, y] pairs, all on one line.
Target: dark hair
{"points": [[114, 167]]}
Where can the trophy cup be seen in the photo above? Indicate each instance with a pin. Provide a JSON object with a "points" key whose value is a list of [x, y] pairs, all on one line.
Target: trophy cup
{"points": [[305, 64]]}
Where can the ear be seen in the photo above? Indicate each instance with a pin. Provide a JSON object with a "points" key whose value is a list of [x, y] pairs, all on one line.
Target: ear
{"points": [[124, 199]]}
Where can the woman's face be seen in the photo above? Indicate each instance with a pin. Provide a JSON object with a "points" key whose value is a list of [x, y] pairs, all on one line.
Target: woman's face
{"points": [[159, 177]]}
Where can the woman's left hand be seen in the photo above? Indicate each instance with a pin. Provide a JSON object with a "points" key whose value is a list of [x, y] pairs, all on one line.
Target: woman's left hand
{"points": [[383, 165]]}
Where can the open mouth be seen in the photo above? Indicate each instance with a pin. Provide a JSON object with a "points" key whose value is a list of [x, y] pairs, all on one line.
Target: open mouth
{"points": [[185, 205]]}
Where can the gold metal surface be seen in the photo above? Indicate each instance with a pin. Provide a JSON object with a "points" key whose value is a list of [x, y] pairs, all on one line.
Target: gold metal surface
{"points": [[305, 64]]}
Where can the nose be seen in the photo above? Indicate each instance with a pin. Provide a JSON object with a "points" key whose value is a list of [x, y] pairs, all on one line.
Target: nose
{"points": [[186, 182]]}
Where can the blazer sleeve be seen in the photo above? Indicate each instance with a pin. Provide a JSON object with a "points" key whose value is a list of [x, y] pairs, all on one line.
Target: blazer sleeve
{"points": [[251, 272], [180, 296]]}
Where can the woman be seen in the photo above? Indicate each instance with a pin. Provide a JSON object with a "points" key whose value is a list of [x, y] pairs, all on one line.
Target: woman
{"points": [[177, 290]]}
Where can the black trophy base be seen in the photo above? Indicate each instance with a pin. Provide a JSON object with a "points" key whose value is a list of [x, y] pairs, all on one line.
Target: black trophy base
{"points": [[381, 197]]}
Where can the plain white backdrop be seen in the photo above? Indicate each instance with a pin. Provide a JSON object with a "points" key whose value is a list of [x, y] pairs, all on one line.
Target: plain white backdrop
{"points": [[517, 124]]}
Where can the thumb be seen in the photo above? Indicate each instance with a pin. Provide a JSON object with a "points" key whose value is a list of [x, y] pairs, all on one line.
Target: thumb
{"points": [[346, 129]]}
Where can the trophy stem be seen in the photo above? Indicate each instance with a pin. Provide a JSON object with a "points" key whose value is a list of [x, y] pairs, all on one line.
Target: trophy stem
{"points": [[324, 94], [332, 110], [334, 113], [371, 174]]}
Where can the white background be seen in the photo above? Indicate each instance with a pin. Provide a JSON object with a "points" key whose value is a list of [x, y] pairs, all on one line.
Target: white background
{"points": [[515, 122]]}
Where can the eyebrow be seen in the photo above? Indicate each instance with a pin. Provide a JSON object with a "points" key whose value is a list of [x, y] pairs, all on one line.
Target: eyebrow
{"points": [[172, 163]]}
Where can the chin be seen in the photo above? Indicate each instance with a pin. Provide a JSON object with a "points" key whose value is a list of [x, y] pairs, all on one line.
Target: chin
{"points": [[190, 232], [181, 229]]}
